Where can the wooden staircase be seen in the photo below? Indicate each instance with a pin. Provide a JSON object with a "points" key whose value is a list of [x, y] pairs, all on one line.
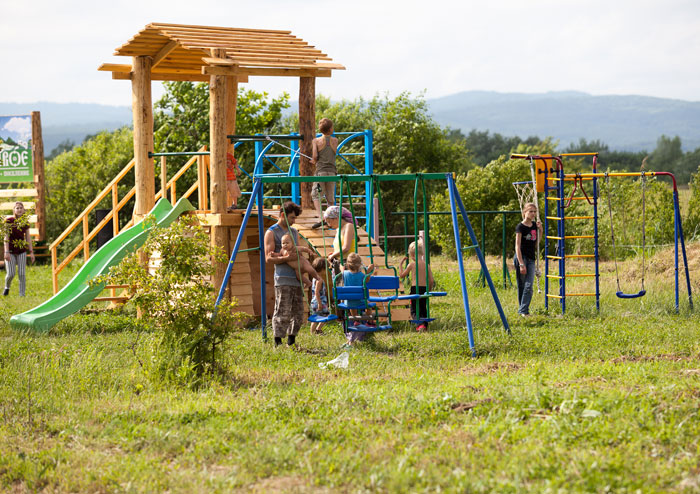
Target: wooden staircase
{"points": [[322, 242]]}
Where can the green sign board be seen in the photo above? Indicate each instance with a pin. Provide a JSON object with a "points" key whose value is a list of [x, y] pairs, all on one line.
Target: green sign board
{"points": [[16, 149]]}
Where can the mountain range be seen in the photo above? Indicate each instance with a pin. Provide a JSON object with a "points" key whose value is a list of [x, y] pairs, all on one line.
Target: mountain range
{"points": [[626, 123]]}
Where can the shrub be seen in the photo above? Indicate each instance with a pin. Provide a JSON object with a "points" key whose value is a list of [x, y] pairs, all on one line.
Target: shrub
{"points": [[178, 300]]}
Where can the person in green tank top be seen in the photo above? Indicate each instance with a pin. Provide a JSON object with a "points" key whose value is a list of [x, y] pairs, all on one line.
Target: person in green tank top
{"points": [[323, 152]]}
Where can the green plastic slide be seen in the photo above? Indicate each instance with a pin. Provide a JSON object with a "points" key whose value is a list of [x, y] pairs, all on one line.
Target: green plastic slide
{"points": [[77, 293]]}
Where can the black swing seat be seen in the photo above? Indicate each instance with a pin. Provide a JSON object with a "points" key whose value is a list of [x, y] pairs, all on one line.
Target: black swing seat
{"points": [[631, 295]]}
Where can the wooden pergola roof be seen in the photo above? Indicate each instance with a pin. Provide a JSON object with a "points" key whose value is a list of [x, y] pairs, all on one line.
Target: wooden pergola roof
{"points": [[184, 53]]}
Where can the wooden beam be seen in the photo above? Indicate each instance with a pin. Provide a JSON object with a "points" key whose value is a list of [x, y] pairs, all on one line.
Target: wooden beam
{"points": [[164, 52], [39, 179], [307, 128], [19, 193], [223, 62], [9, 206], [114, 67], [142, 108], [190, 27], [218, 141], [120, 76], [217, 163], [231, 104], [264, 72]]}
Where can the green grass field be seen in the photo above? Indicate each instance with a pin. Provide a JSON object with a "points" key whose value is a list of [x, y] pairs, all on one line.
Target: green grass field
{"points": [[582, 403]]}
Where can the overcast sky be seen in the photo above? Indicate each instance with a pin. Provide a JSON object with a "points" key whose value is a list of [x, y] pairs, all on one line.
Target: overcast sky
{"points": [[51, 50]]}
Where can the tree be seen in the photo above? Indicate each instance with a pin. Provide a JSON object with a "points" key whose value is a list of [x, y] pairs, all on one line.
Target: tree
{"points": [[181, 122], [62, 147], [668, 151], [406, 140], [484, 148], [482, 189]]}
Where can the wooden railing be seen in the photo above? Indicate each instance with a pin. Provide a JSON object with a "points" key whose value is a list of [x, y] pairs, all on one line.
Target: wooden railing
{"points": [[15, 195], [117, 205]]}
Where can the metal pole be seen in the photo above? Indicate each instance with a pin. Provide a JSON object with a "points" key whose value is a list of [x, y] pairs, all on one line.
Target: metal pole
{"points": [[483, 247], [294, 170], [480, 255], [546, 241], [369, 169], [596, 251], [460, 261], [682, 240], [503, 254], [375, 221], [227, 276], [261, 241]]}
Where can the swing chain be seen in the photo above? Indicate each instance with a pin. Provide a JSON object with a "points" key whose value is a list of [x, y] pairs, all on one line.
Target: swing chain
{"points": [[612, 230]]}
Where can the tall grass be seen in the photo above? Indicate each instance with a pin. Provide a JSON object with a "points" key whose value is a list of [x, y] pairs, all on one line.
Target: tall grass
{"points": [[585, 402]]}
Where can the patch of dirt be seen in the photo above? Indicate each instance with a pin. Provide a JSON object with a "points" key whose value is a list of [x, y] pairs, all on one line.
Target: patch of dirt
{"points": [[492, 367], [465, 407], [653, 358], [287, 484], [583, 380], [661, 264]]}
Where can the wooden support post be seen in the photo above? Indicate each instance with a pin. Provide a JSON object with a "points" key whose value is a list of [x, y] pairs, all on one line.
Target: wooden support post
{"points": [[142, 109], [307, 125], [217, 136], [231, 103], [38, 161], [217, 161]]}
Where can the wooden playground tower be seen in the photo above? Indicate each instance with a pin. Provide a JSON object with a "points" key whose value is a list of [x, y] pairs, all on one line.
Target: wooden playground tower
{"points": [[223, 57]]}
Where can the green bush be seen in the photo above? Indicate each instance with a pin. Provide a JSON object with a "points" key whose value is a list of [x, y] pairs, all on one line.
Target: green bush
{"points": [[482, 189], [178, 301], [74, 178], [691, 224]]}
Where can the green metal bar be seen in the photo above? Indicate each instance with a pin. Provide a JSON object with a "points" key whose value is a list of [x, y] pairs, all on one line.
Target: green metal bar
{"points": [[383, 215], [426, 245], [405, 233], [340, 222], [506, 274], [352, 213], [248, 250], [350, 178], [184, 153], [370, 221], [444, 213], [415, 229]]}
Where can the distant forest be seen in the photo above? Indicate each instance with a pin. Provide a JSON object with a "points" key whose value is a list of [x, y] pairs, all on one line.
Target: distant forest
{"points": [[668, 155]]}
